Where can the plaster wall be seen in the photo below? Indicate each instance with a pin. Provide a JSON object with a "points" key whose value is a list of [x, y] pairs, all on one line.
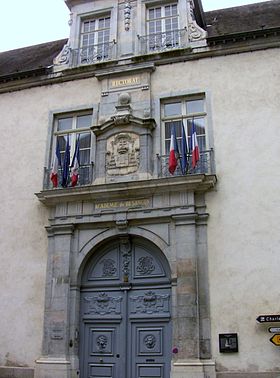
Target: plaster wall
{"points": [[242, 94], [23, 239]]}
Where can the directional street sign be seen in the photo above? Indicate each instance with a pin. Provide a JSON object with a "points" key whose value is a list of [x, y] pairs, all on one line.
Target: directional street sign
{"points": [[274, 329], [275, 339], [268, 318]]}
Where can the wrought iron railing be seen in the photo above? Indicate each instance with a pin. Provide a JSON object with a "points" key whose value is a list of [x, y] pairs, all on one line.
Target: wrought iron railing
{"points": [[205, 164], [159, 42], [92, 54], [84, 178]]}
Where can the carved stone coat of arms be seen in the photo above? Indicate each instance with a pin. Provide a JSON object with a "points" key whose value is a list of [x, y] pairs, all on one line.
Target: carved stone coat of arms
{"points": [[122, 155]]}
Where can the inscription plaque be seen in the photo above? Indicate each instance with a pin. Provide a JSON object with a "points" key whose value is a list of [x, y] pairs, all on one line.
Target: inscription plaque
{"points": [[128, 81]]}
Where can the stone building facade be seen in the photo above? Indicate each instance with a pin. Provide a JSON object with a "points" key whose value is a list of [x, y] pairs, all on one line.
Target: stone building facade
{"points": [[137, 272]]}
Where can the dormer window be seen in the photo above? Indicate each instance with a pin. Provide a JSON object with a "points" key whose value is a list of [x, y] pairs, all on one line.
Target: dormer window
{"points": [[95, 43], [163, 27]]}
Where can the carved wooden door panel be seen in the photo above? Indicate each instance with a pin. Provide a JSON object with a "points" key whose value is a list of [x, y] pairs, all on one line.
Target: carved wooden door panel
{"points": [[125, 314]]}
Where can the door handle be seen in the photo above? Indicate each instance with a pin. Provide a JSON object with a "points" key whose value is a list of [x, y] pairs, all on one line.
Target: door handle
{"points": [[117, 355]]}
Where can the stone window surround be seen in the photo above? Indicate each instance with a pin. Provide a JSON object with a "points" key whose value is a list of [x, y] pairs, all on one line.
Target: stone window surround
{"points": [[81, 16]]}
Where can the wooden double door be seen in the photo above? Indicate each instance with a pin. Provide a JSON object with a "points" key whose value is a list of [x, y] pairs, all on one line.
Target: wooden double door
{"points": [[125, 313]]}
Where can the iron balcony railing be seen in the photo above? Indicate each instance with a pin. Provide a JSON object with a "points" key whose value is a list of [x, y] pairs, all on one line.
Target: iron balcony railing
{"points": [[93, 54], [85, 176], [163, 41], [204, 165]]}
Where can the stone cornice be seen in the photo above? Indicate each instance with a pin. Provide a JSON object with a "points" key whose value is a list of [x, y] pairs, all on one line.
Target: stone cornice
{"points": [[130, 190]]}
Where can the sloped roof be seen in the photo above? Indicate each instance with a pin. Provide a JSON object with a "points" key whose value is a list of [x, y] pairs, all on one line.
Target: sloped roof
{"points": [[30, 58], [222, 22], [244, 19]]}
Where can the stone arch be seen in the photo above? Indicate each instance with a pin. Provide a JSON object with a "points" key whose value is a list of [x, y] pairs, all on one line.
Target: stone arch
{"points": [[94, 244]]}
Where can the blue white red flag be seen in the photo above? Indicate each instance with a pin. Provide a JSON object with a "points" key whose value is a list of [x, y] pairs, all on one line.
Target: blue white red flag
{"points": [[75, 164], [174, 152], [184, 149], [55, 164], [194, 146], [66, 163]]}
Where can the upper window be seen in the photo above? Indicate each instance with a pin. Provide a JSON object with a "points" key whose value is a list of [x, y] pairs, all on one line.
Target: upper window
{"points": [[72, 138], [162, 27], [95, 40]]}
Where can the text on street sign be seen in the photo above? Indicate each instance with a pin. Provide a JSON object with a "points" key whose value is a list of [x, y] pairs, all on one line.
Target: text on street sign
{"points": [[268, 318]]}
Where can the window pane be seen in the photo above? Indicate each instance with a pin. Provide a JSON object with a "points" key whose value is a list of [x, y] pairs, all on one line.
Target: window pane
{"points": [[158, 26], [172, 109], [178, 131], [167, 24], [200, 131], [107, 22], [175, 23], [84, 157], [167, 10], [151, 14], [158, 12], [200, 126], [101, 23], [195, 106], [92, 25], [86, 27], [62, 139], [83, 121], [91, 39], [174, 9], [85, 140], [62, 143], [64, 124], [201, 143]]}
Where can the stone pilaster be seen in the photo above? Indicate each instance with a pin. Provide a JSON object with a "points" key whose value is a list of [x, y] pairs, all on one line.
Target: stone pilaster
{"points": [[54, 361]]}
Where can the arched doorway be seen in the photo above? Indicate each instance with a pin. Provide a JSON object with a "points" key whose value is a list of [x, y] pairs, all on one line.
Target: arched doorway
{"points": [[125, 310]]}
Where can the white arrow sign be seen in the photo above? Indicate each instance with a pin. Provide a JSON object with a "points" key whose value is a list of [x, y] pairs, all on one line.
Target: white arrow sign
{"points": [[274, 329]]}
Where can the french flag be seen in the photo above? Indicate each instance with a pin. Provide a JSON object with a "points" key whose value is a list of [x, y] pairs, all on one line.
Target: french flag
{"points": [[174, 152], [66, 163], [184, 149], [194, 146], [55, 164], [75, 164]]}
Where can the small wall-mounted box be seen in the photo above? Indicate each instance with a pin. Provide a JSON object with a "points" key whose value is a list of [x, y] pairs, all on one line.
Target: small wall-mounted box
{"points": [[228, 342]]}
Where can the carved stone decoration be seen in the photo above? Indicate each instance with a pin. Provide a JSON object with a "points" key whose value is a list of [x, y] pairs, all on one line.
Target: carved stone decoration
{"points": [[64, 56], [150, 303], [196, 33], [150, 341], [123, 99], [145, 265], [102, 304], [125, 247], [101, 342], [127, 15], [122, 154], [121, 119], [109, 268]]}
